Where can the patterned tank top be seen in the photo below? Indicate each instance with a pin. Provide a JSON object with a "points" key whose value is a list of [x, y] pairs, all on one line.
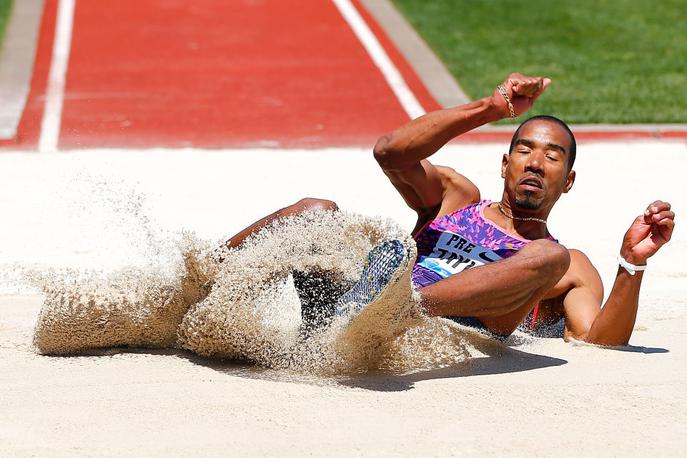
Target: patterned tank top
{"points": [[459, 241]]}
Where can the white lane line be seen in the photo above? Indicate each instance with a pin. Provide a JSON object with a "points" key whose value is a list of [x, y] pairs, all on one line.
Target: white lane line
{"points": [[52, 116], [393, 77]]}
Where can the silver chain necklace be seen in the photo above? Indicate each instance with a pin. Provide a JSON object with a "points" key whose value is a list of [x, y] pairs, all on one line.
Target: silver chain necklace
{"points": [[503, 212]]}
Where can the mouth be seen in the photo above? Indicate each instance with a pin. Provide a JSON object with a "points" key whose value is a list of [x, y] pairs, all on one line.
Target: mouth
{"points": [[532, 183]]}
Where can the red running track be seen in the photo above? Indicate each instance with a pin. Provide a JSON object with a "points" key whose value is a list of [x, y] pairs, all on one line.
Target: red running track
{"points": [[226, 73], [214, 73]]}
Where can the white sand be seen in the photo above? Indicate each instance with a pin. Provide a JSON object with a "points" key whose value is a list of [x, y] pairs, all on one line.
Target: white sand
{"points": [[540, 397]]}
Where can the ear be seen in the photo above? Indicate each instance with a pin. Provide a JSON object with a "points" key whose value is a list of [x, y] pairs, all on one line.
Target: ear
{"points": [[504, 164], [569, 181]]}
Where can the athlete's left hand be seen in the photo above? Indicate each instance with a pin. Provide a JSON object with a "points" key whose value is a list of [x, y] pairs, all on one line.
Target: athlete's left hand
{"points": [[522, 90], [649, 232]]}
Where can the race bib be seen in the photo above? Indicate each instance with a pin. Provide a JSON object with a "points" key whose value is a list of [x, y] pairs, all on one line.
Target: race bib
{"points": [[453, 254]]}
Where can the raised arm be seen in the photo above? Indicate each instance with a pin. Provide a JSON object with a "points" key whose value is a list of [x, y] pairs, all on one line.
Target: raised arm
{"points": [[613, 324], [402, 153]]}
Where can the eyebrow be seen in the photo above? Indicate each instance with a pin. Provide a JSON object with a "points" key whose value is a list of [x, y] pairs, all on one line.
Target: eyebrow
{"points": [[530, 144]]}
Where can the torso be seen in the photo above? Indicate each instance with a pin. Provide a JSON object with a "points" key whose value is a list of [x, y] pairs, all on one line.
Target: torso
{"points": [[465, 239]]}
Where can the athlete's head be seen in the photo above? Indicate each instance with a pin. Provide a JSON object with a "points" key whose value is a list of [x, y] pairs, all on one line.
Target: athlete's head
{"points": [[538, 166]]}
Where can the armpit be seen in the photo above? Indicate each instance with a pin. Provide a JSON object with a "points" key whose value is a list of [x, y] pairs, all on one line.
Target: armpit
{"points": [[551, 310]]}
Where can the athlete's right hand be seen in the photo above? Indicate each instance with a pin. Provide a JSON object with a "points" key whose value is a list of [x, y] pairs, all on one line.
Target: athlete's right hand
{"points": [[522, 90], [649, 232]]}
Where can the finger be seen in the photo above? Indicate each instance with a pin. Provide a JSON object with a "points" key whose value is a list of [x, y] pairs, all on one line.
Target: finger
{"points": [[656, 207], [510, 85], [545, 82], [666, 222], [656, 217], [527, 87], [664, 229], [539, 85], [514, 84], [531, 88]]}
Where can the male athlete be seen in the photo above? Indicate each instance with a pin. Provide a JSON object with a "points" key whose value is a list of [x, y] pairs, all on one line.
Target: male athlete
{"points": [[494, 265]]}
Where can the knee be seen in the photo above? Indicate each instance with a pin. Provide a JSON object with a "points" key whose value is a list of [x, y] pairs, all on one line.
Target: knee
{"points": [[310, 203], [552, 258]]}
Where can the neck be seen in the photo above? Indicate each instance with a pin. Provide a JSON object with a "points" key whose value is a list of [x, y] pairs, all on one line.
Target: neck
{"points": [[528, 225]]}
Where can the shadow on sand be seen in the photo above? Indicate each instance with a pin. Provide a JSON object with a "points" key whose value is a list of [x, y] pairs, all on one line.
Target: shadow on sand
{"points": [[645, 350], [510, 361], [499, 359], [638, 349]]}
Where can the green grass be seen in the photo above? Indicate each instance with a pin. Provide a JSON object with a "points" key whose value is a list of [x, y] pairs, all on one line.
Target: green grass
{"points": [[611, 61], [5, 8]]}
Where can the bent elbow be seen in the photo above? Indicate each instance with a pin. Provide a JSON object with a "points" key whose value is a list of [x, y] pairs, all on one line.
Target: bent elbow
{"points": [[601, 340], [382, 154]]}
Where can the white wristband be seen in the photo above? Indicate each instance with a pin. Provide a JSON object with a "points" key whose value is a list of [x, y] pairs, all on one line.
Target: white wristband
{"points": [[631, 268]]}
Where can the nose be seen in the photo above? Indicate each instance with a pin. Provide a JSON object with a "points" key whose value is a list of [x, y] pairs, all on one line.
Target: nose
{"points": [[535, 161]]}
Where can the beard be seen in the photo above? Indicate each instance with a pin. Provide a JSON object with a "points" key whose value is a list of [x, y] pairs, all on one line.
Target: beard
{"points": [[527, 202]]}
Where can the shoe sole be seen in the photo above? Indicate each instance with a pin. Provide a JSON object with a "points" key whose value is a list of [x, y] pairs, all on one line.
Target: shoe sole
{"points": [[382, 262], [385, 317]]}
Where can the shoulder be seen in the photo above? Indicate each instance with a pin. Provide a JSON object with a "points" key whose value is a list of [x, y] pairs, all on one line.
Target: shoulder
{"points": [[579, 262], [582, 272], [459, 191]]}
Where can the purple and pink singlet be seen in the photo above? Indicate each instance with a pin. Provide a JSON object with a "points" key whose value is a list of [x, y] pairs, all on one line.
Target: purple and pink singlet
{"points": [[462, 240], [459, 241]]}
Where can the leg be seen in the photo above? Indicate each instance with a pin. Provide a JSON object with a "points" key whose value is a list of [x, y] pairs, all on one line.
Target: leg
{"points": [[318, 291], [500, 294], [295, 209]]}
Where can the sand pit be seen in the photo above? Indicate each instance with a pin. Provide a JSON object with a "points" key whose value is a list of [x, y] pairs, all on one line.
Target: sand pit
{"points": [[538, 397], [528, 397], [241, 304]]}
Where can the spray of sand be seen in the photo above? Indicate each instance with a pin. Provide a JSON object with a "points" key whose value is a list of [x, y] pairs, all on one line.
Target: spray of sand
{"points": [[241, 304]]}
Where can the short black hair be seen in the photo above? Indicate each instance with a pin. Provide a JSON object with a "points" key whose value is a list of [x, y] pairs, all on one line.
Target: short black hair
{"points": [[573, 144]]}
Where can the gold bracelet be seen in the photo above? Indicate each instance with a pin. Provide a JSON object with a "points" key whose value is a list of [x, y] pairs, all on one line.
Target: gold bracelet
{"points": [[503, 92]]}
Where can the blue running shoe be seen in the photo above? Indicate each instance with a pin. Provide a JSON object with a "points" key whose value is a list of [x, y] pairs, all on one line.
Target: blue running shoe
{"points": [[381, 264]]}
